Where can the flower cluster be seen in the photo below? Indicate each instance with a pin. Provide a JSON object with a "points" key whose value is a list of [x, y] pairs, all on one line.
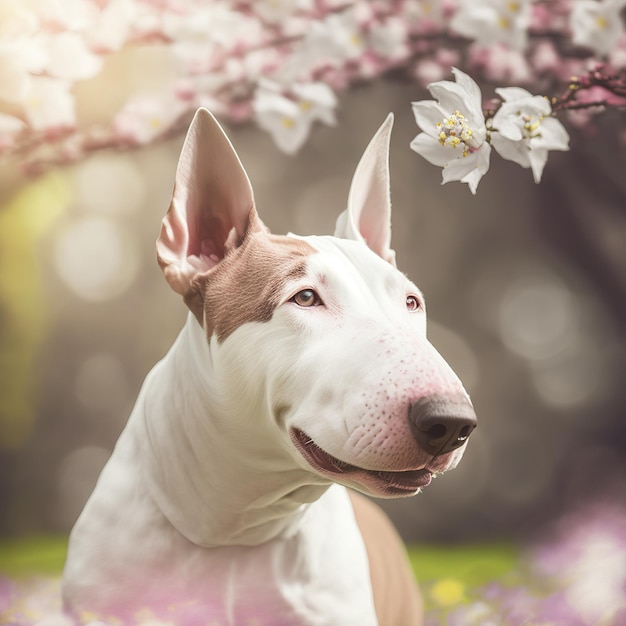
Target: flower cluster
{"points": [[283, 63], [577, 578], [457, 136]]}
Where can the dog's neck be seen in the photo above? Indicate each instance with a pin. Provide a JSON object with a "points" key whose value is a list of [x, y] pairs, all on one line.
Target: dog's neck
{"points": [[216, 483]]}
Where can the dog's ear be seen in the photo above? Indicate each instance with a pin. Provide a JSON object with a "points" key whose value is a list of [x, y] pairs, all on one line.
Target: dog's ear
{"points": [[212, 206], [368, 216]]}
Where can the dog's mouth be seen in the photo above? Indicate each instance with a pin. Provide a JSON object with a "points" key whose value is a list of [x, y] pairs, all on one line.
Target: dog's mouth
{"points": [[379, 483]]}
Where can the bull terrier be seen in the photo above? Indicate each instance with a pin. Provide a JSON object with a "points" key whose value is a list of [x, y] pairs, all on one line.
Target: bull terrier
{"points": [[303, 369]]}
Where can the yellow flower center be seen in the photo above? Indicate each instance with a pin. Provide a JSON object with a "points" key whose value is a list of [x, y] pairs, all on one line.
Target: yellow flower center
{"points": [[531, 126], [601, 22], [455, 132], [288, 122]]}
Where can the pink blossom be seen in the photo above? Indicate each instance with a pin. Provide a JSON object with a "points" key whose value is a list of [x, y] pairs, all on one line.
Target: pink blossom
{"points": [[500, 63], [545, 57], [617, 56]]}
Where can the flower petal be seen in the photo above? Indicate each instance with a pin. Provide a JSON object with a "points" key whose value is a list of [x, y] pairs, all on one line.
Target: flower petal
{"points": [[470, 86], [553, 135], [511, 149], [513, 93], [430, 148], [427, 115], [463, 96], [469, 169]]}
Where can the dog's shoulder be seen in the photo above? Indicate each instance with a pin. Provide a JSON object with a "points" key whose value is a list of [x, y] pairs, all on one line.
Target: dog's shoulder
{"points": [[396, 594]]}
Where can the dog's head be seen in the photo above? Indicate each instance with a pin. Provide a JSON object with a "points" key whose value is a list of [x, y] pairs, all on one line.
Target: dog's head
{"points": [[321, 338]]}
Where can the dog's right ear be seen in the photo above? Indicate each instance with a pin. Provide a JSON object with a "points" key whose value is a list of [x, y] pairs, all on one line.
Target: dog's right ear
{"points": [[212, 207], [368, 216]]}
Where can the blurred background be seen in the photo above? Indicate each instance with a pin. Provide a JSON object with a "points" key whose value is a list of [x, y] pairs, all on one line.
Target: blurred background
{"points": [[525, 287]]}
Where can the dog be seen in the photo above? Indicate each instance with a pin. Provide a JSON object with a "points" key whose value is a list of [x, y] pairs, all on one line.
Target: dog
{"points": [[302, 376]]}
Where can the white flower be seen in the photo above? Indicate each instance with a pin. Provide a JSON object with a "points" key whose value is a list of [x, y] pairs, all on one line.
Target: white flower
{"points": [[597, 25], [493, 21], [69, 57], [49, 103], [113, 26], [147, 116], [454, 128], [289, 119], [389, 39], [275, 11], [523, 130], [346, 36]]}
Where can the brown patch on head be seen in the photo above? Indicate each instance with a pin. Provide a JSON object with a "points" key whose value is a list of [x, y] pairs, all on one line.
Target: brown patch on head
{"points": [[248, 284]]}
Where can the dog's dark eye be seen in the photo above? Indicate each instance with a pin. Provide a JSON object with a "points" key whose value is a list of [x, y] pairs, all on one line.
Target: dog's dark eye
{"points": [[412, 303], [306, 298]]}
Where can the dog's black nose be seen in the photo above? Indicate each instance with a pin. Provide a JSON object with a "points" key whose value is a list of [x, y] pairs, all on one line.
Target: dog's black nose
{"points": [[442, 424]]}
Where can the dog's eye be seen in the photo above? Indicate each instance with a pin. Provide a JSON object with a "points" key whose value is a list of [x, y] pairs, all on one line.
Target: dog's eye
{"points": [[307, 298], [412, 303]]}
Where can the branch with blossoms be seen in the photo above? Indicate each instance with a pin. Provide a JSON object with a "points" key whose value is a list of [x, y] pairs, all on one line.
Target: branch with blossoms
{"points": [[284, 64], [458, 135]]}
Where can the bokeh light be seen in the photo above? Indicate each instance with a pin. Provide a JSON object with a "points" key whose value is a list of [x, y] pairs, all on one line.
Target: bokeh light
{"points": [[536, 316], [110, 184], [95, 258]]}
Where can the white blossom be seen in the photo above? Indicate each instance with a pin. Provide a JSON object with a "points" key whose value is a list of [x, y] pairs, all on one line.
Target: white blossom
{"points": [[389, 39], [597, 25], [494, 21], [275, 11], [48, 103], [113, 26], [147, 116], [289, 119], [70, 58], [454, 132], [524, 131]]}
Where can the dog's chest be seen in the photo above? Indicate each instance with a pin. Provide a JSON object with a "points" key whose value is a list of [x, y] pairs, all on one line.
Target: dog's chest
{"points": [[319, 576]]}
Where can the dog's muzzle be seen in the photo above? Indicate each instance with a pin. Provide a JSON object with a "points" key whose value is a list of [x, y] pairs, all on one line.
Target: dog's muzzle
{"points": [[442, 424]]}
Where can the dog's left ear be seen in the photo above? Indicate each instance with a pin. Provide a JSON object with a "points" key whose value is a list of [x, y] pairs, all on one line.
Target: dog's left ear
{"points": [[368, 216]]}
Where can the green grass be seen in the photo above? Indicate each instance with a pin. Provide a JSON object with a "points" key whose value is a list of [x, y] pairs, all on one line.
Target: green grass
{"points": [[42, 555], [472, 565]]}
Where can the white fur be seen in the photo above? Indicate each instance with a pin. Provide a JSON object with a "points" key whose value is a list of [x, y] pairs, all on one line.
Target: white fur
{"points": [[206, 497]]}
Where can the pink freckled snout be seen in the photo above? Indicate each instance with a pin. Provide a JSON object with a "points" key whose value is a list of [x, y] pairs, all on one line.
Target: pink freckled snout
{"points": [[441, 424]]}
